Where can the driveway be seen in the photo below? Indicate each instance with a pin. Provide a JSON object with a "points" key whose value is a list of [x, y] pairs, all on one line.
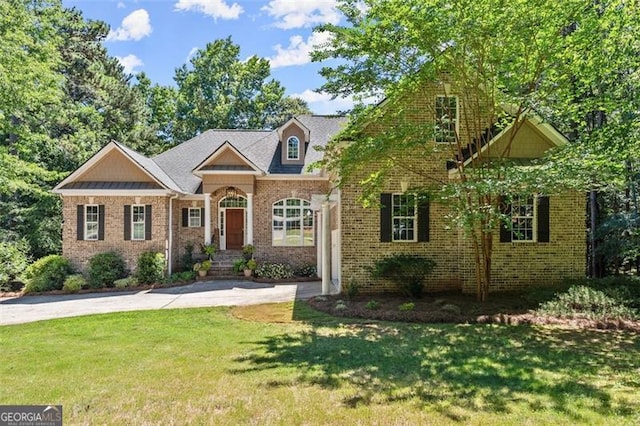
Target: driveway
{"points": [[201, 294]]}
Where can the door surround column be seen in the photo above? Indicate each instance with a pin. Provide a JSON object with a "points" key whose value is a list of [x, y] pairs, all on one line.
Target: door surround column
{"points": [[207, 218]]}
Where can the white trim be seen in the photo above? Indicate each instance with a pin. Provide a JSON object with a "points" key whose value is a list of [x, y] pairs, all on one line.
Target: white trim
{"points": [[222, 221], [207, 218], [144, 224], [305, 129], [225, 146], [534, 224], [457, 123], [114, 193], [86, 222], [292, 177], [297, 157], [415, 218], [301, 208], [200, 218], [93, 161]]}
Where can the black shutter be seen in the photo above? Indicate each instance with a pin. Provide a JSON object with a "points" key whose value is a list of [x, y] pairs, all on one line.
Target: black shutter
{"points": [[101, 222], [80, 223], [147, 222], [543, 219], [185, 217], [385, 218], [423, 221], [505, 230], [127, 222], [201, 217]]}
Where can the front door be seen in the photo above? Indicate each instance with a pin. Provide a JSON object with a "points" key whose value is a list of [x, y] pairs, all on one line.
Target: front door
{"points": [[235, 228]]}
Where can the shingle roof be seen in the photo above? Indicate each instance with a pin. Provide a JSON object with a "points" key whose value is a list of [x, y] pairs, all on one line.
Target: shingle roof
{"points": [[112, 185], [261, 147], [151, 167]]}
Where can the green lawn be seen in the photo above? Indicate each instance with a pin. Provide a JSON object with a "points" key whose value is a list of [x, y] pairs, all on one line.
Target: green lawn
{"points": [[205, 366]]}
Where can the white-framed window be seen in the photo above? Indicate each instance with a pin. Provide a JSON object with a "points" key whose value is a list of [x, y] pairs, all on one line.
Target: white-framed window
{"points": [[523, 218], [446, 119], [404, 217], [91, 222], [293, 148], [137, 222], [292, 223], [195, 217]]}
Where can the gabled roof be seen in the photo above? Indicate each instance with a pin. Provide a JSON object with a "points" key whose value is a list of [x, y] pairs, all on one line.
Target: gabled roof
{"points": [[206, 164], [144, 164]]}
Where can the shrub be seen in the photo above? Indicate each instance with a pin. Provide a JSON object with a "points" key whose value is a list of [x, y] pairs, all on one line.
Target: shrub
{"points": [[351, 288], [405, 307], [307, 271], [150, 268], [372, 305], [274, 271], [180, 277], [13, 262], [105, 268], [585, 302], [239, 265], [73, 283], [406, 271], [47, 273], [126, 282], [187, 260]]}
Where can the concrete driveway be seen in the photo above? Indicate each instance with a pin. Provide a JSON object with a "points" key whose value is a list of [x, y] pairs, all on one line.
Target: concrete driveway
{"points": [[201, 294]]}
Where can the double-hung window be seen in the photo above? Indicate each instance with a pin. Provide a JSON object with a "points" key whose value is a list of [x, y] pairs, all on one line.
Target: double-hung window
{"points": [[293, 148], [137, 222], [195, 217], [446, 120], [528, 219], [91, 221], [404, 217], [523, 214]]}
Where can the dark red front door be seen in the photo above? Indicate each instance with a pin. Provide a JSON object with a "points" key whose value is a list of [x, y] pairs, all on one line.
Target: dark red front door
{"points": [[235, 228]]}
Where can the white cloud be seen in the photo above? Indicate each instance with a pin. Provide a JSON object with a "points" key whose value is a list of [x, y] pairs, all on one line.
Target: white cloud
{"points": [[214, 8], [298, 51], [130, 63], [133, 27], [321, 103], [191, 53], [121, 5], [306, 13]]}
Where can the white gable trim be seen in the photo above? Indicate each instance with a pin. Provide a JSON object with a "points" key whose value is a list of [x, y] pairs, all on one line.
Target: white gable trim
{"points": [[294, 120], [97, 157], [219, 151]]}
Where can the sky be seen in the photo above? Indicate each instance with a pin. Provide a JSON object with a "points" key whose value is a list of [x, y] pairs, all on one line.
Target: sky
{"points": [[158, 36]]}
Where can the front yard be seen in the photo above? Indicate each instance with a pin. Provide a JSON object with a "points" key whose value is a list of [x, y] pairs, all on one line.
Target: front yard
{"points": [[229, 366]]}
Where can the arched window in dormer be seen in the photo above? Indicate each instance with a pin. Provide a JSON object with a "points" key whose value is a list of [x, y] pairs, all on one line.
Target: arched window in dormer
{"points": [[293, 148]]}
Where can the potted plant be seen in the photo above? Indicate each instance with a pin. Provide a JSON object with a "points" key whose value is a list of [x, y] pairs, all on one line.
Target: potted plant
{"points": [[202, 267], [247, 251], [209, 250], [239, 265], [250, 267]]}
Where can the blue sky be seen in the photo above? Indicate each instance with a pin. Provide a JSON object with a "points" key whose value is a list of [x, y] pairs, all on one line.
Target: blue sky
{"points": [[157, 36]]}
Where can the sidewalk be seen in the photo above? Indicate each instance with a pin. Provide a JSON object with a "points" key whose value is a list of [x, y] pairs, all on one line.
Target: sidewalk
{"points": [[201, 294]]}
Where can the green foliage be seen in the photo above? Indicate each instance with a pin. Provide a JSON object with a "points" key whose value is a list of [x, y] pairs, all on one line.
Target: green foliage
{"points": [[405, 307], [586, 302], [13, 262], [307, 271], [351, 288], [205, 265], [73, 283], [208, 249], [252, 264], [248, 250], [47, 273], [181, 277], [150, 268], [105, 268], [187, 261], [131, 281], [372, 305], [239, 265], [274, 271], [406, 271]]}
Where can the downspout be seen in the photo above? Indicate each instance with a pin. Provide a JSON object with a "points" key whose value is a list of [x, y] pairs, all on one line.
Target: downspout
{"points": [[170, 251]]}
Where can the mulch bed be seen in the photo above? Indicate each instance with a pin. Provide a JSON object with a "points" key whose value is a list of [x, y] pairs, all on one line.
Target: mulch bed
{"points": [[455, 308]]}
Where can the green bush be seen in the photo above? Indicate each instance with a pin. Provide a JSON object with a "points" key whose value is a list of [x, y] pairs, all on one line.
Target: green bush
{"points": [[150, 268], [239, 265], [351, 288], [586, 302], [126, 282], [13, 262], [274, 271], [73, 283], [105, 268], [180, 277], [307, 271], [405, 307], [187, 260], [372, 305], [406, 271], [47, 273]]}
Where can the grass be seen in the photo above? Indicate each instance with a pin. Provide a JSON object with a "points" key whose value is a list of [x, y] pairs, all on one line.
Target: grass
{"points": [[227, 366]]}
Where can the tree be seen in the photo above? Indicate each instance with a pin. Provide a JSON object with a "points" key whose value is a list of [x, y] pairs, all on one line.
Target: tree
{"points": [[505, 61], [219, 91]]}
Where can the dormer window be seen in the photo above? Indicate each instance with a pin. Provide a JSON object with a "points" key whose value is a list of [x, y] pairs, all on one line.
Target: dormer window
{"points": [[293, 148]]}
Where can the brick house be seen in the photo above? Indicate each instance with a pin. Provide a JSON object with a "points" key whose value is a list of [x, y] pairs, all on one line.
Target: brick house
{"points": [[547, 240], [228, 187]]}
